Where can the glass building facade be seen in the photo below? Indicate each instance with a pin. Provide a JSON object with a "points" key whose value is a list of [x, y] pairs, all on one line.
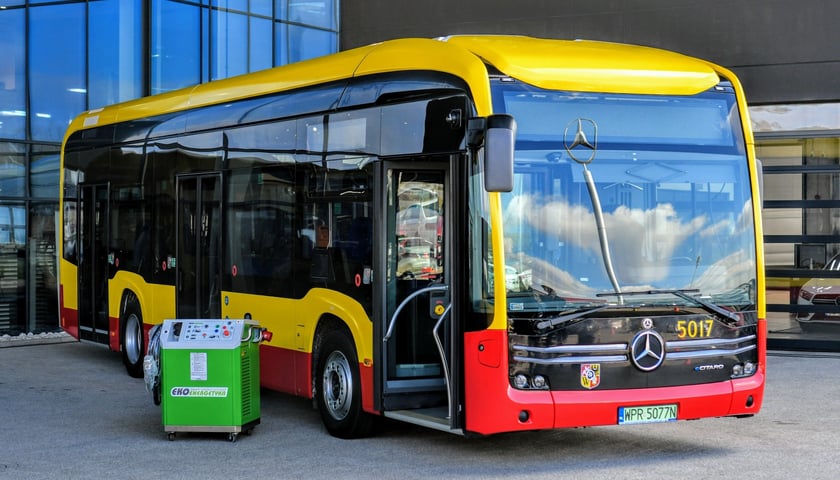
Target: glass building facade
{"points": [[60, 58], [799, 149]]}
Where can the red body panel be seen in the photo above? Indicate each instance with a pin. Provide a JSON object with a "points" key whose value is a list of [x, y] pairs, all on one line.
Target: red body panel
{"points": [[366, 373], [114, 335], [286, 370], [69, 317], [290, 371]]}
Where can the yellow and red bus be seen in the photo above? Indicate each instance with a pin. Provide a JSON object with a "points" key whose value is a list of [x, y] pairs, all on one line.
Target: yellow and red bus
{"points": [[477, 234]]}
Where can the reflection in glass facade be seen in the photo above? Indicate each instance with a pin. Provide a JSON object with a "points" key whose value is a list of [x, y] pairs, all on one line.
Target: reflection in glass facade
{"points": [[200, 41], [799, 150], [60, 58]]}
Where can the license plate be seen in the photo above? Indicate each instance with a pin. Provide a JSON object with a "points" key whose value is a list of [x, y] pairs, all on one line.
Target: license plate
{"points": [[647, 414]]}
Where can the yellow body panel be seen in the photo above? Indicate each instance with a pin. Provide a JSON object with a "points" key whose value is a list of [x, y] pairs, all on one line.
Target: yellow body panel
{"points": [[590, 66], [157, 302], [755, 173], [67, 274], [433, 55], [292, 322]]}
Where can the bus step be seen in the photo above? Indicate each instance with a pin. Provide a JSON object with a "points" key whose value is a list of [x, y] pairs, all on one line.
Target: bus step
{"points": [[435, 418]]}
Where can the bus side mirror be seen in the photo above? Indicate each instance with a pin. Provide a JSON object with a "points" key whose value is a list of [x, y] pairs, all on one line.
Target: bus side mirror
{"points": [[499, 134]]}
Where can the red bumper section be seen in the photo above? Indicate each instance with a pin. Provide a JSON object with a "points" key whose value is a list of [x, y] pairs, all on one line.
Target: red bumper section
{"points": [[493, 406]]}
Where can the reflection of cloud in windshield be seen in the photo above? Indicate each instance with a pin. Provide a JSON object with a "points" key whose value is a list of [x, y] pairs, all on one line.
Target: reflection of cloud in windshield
{"points": [[745, 219], [727, 273], [547, 276], [743, 223], [641, 241]]}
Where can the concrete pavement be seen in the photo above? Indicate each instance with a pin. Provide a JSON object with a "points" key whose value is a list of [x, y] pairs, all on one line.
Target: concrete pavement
{"points": [[69, 411]]}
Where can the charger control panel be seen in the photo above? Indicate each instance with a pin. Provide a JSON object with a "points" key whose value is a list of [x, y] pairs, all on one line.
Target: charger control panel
{"points": [[205, 333]]}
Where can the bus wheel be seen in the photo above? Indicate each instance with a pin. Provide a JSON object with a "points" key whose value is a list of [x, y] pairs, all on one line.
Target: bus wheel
{"points": [[338, 388], [132, 339]]}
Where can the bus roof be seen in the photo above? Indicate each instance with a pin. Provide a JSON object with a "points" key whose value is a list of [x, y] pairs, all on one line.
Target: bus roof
{"points": [[591, 66], [555, 64]]}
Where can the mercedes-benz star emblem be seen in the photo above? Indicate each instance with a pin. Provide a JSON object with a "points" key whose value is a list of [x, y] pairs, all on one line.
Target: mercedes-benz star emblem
{"points": [[584, 142], [647, 350]]}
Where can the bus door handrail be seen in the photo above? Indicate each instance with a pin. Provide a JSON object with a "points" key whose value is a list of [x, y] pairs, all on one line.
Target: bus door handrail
{"points": [[443, 361], [435, 334], [412, 296]]}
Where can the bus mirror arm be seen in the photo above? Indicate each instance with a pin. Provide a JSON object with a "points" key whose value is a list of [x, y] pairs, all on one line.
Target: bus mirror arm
{"points": [[497, 133], [475, 132]]}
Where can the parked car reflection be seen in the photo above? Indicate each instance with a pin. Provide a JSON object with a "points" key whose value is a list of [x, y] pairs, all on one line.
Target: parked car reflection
{"points": [[417, 258], [824, 295]]}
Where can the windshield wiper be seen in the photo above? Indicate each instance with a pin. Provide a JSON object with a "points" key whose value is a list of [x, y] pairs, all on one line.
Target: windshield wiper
{"points": [[554, 321], [684, 295]]}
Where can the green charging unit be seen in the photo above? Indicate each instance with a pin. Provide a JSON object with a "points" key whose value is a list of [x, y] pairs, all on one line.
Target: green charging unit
{"points": [[210, 376]]}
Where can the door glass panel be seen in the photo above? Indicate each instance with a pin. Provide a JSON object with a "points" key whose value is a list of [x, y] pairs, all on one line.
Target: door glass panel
{"points": [[186, 253], [210, 248], [415, 249], [199, 249]]}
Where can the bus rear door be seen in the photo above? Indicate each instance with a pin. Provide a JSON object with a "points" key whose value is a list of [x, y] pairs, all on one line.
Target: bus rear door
{"points": [[92, 244]]}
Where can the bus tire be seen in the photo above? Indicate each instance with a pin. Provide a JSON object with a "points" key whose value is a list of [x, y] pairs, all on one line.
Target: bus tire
{"points": [[338, 388], [131, 338]]}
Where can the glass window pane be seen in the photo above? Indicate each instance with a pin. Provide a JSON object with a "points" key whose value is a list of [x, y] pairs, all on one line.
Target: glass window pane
{"points": [[42, 268], [790, 118], [205, 64], [12, 170], [241, 5], [57, 68], [176, 45], [281, 44], [281, 11], [12, 100], [306, 43], [260, 44], [11, 3], [229, 48], [116, 67], [13, 279], [261, 8], [316, 13], [43, 172]]}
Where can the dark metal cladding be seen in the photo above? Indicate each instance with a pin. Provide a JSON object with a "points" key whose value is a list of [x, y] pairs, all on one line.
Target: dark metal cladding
{"points": [[695, 348]]}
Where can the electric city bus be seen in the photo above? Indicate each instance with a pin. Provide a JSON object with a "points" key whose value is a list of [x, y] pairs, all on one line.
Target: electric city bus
{"points": [[477, 234]]}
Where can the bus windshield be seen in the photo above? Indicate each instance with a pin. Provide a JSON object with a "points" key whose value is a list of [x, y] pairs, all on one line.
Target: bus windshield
{"points": [[671, 177]]}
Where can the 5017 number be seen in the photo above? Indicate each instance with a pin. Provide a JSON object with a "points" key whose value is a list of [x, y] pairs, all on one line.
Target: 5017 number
{"points": [[694, 328]]}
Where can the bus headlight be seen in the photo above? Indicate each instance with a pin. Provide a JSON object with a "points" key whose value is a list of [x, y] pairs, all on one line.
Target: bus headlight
{"points": [[745, 369], [524, 382]]}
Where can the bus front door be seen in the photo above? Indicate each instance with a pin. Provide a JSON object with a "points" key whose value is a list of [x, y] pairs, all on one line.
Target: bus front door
{"points": [[93, 269], [198, 250], [418, 331]]}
